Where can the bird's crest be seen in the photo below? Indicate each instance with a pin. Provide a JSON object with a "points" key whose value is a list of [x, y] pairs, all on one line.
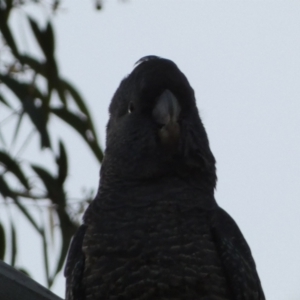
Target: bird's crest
{"points": [[146, 58]]}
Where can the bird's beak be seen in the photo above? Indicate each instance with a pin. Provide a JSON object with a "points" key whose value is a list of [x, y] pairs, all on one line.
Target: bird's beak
{"points": [[166, 113]]}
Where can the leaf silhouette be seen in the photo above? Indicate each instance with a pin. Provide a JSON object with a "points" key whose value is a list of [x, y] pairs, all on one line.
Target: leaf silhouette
{"points": [[62, 163], [38, 114], [13, 244], [81, 125], [44, 37], [54, 189], [2, 99], [4, 13], [12, 166], [37, 66], [81, 105], [5, 191]]}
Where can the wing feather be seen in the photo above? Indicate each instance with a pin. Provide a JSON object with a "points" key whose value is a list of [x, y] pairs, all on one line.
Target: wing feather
{"points": [[239, 265], [75, 267]]}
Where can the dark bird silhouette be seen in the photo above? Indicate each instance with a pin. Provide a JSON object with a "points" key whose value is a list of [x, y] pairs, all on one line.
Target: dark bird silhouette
{"points": [[154, 230]]}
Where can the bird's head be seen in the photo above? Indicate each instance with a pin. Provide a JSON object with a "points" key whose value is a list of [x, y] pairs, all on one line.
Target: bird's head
{"points": [[154, 128]]}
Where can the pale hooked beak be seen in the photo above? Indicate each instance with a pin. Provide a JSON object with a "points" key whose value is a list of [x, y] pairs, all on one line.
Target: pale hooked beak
{"points": [[166, 113]]}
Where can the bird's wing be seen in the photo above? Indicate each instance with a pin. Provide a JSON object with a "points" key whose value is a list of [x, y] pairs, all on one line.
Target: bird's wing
{"points": [[236, 257], [75, 267]]}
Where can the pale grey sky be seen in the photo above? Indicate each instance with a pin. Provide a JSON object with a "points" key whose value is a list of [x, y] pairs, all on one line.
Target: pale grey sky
{"points": [[243, 60]]}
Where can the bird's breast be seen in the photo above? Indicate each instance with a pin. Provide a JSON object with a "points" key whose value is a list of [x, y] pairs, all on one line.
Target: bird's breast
{"points": [[163, 250]]}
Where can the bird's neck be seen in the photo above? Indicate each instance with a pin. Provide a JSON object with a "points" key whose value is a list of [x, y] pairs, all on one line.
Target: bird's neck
{"points": [[178, 190]]}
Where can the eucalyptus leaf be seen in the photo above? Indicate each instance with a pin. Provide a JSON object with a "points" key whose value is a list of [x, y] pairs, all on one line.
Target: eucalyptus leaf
{"points": [[13, 244], [34, 104], [82, 127], [62, 163], [6, 32], [2, 99], [13, 166]]}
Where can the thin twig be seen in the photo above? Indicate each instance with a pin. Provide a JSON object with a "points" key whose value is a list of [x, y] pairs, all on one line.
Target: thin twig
{"points": [[27, 140]]}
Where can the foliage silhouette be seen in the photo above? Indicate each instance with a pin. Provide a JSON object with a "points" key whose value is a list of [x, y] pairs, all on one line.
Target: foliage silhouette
{"points": [[21, 96]]}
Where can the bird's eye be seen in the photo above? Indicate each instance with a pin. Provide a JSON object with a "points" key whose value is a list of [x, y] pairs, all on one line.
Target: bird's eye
{"points": [[130, 108]]}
